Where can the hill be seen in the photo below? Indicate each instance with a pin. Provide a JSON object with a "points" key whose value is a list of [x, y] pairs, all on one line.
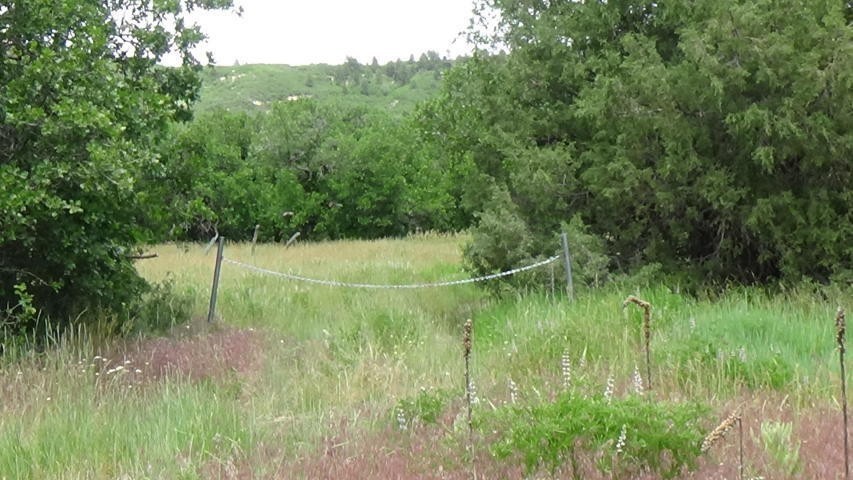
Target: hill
{"points": [[396, 85]]}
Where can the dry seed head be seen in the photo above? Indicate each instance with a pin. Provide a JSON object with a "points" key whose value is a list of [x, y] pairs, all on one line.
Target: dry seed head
{"points": [[840, 328], [647, 314], [466, 337], [641, 303], [718, 433]]}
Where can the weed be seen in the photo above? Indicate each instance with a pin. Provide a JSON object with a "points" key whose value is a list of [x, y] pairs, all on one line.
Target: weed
{"points": [[719, 433], [780, 445], [425, 408], [647, 332]]}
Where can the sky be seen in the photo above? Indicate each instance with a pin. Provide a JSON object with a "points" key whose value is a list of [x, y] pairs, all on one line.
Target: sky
{"points": [[301, 32]]}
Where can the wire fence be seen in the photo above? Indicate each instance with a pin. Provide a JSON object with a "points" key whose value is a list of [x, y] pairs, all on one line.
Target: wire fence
{"points": [[337, 283]]}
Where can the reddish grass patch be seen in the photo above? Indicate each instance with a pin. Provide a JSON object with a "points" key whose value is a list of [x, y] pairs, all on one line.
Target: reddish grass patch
{"points": [[817, 431], [227, 469], [434, 452], [199, 357], [426, 452]]}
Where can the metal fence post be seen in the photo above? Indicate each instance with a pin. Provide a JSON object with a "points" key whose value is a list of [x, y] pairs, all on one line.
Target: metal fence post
{"points": [[213, 292], [567, 260], [255, 238], [553, 289]]}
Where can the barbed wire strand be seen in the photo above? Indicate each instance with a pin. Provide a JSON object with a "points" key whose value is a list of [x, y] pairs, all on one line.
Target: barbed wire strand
{"points": [[335, 283]]}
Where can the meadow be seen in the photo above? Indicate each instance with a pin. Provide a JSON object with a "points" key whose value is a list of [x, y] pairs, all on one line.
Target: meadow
{"points": [[295, 380]]}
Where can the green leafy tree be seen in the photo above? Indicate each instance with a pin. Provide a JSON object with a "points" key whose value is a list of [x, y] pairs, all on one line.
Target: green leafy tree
{"points": [[82, 101], [712, 137], [211, 182], [385, 183]]}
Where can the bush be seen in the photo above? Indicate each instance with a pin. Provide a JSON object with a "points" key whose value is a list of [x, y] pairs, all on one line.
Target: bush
{"points": [[659, 437], [500, 241], [160, 308], [424, 409]]}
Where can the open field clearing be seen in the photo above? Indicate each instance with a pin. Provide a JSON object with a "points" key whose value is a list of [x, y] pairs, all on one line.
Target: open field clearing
{"points": [[308, 381]]}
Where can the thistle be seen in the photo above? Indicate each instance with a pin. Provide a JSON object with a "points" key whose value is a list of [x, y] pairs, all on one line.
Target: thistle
{"points": [[647, 331]]}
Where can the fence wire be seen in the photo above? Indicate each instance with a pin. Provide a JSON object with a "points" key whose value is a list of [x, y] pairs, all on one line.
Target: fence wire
{"points": [[335, 283]]}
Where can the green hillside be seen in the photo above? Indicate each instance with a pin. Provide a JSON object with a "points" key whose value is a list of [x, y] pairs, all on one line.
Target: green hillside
{"points": [[394, 86]]}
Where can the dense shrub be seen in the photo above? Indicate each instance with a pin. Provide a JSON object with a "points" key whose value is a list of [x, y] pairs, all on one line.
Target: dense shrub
{"points": [[659, 437], [78, 122], [710, 138]]}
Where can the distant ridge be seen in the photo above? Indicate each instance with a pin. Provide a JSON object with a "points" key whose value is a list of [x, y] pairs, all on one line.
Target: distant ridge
{"points": [[396, 85]]}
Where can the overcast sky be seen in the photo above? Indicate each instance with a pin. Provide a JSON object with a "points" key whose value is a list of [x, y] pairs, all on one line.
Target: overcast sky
{"points": [[300, 32]]}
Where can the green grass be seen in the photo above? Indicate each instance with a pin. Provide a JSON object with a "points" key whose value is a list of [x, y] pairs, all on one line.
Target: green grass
{"points": [[335, 360], [65, 417]]}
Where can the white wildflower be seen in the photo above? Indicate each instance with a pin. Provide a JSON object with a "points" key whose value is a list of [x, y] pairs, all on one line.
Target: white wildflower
{"points": [[566, 367], [608, 391], [620, 442], [513, 391], [472, 392], [638, 381], [401, 419]]}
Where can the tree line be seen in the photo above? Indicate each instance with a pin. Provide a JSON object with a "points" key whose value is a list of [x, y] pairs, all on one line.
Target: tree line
{"points": [[319, 168]]}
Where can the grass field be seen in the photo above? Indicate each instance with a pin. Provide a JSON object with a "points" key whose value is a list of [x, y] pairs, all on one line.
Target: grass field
{"points": [[303, 381]]}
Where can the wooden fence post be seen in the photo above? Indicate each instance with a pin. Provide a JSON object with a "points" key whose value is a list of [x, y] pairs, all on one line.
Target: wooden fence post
{"points": [[213, 292]]}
